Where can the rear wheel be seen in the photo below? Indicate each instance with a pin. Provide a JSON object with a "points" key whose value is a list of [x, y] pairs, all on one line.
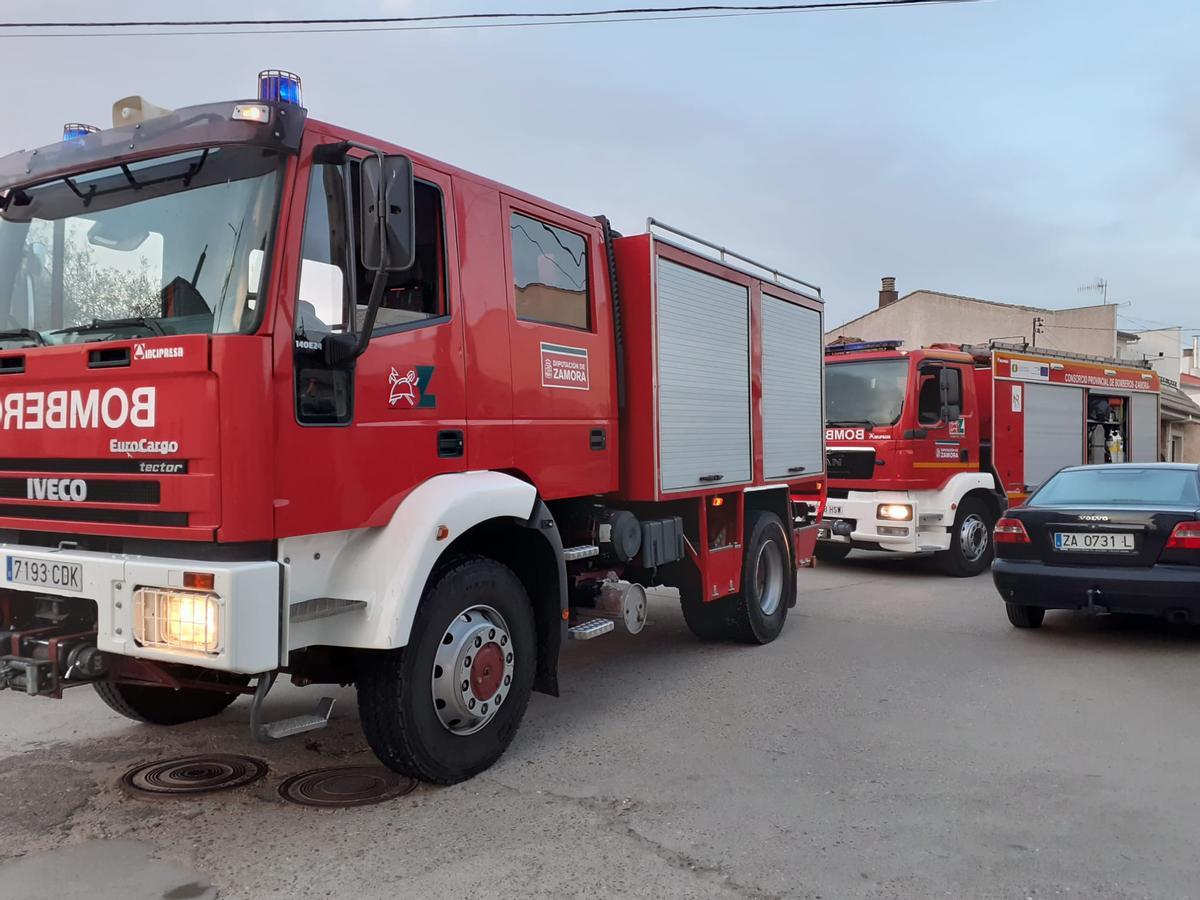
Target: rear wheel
{"points": [[446, 707], [162, 705], [971, 549], [828, 552], [1023, 616], [757, 614]]}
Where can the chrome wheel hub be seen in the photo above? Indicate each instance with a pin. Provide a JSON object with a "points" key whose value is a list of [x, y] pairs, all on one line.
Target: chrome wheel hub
{"points": [[768, 578], [973, 538], [472, 670]]}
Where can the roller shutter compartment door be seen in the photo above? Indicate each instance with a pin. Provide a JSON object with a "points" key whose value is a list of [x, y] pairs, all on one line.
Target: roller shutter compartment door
{"points": [[791, 374], [1054, 425], [1143, 428], [703, 379]]}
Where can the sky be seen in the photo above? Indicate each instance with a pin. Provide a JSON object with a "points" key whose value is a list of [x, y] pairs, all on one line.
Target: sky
{"points": [[1012, 150]]}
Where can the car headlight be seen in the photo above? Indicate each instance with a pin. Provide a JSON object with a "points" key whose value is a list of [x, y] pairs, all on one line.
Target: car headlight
{"points": [[897, 512], [177, 620]]}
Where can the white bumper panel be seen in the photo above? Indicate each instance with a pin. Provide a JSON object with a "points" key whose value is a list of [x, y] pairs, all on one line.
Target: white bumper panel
{"points": [[933, 514], [248, 592], [383, 570]]}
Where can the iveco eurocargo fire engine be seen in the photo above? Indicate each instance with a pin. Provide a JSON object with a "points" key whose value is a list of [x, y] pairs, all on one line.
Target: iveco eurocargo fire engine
{"points": [[927, 447], [276, 397]]}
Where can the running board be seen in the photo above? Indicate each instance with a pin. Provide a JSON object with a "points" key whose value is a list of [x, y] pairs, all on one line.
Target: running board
{"points": [[265, 732], [592, 628], [587, 551]]}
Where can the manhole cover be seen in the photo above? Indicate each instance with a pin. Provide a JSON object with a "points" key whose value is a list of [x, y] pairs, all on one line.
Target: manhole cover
{"points": [[193, 775], [348, 786]]}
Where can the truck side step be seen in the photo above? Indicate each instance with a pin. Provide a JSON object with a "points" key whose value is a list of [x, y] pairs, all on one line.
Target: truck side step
{"points": [[592, 628], [586, 551], [264, 732]]}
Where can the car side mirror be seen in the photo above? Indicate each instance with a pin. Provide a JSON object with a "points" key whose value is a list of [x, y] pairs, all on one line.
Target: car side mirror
{"points": [[951, 399], [388, 219]]}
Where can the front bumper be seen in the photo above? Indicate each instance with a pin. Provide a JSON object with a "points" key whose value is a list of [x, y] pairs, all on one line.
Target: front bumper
{"points": [[1154, 590], [248, 592], [926, 532]]}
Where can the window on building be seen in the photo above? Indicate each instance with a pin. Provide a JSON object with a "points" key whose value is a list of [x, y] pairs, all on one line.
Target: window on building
{"points": [[550, 267]]}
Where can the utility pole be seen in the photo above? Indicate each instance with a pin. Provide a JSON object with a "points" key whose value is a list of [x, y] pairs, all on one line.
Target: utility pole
{"points": [[1038, 328]]}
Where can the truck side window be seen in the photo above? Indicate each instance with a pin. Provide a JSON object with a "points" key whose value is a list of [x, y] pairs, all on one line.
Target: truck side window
{"points": [[418, 293], [550, 267], [324, 285], [929, 397]]}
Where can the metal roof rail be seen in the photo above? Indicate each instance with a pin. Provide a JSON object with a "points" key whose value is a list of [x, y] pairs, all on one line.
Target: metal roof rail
{"points": [[1063, 354], [776, 275]]}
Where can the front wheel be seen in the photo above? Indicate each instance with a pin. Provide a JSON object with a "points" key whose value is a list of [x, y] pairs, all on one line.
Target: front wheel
{"points": [[165, 706], [971, 549], [830, 552], [446, 707]]}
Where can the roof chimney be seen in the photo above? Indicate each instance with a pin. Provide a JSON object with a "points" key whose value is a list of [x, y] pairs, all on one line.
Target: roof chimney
{"points": [[887, 292]]}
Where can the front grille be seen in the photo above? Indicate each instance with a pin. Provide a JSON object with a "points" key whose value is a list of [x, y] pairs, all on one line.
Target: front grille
{"points": [[124, 466], [96, 491], [75, 513], [850, 463]]}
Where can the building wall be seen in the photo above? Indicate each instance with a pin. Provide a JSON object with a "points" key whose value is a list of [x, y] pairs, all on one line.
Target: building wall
{"points": [[1189, 435], [1162, 348], [924, 317]]}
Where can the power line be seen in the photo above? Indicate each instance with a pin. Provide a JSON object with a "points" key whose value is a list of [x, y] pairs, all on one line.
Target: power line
{"points": [[455, 22], [575, 14]]}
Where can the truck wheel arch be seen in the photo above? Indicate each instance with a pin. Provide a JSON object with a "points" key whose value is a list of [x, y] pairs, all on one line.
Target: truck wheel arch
{"points": [[389, 568]]}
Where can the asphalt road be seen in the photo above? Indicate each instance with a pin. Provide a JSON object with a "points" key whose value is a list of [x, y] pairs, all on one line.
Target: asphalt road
{"points": [[899, 740]]}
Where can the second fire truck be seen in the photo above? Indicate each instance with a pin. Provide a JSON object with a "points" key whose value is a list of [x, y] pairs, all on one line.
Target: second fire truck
{"points": [[928, 446]]}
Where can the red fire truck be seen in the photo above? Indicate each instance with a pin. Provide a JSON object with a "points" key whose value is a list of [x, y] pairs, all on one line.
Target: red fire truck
{"points": [[927, 447], [277, 397]]}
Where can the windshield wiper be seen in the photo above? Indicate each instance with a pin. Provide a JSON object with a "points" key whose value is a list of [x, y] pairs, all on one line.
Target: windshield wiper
{"points": [[27, 333], [151, 325], [852, 422]]}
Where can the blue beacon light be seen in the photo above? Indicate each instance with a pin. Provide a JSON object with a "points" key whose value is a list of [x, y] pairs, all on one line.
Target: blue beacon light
{"points": [[77, 131], [277, 86]]}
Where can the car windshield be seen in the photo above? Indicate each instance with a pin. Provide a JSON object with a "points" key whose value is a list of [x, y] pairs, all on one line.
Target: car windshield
{"points": [[865, 393], [1120, 485], [170, 245]]}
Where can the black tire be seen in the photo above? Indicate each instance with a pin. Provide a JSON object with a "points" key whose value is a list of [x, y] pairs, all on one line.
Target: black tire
{"points": [[965, 558], [395, 700], [757, 614], [1022, 616], [162, 705], [829, 552], [707, 621]]}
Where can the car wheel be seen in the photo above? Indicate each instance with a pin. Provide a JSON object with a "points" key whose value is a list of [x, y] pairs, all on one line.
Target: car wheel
{"points": [[1023, 616], [164, 705], [768, 581], [827, 552], [446, 707], [971, 550]]}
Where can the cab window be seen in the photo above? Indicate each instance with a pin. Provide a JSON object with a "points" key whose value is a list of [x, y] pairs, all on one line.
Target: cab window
{"points": [[550, 273]]}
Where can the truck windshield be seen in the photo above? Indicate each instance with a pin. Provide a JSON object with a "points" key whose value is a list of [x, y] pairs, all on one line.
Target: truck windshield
{"points": [[171, 245], [865, 393]]}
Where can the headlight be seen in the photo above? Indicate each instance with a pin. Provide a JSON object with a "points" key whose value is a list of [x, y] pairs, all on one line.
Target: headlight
{"points": [[177, 620], [897, 512]]}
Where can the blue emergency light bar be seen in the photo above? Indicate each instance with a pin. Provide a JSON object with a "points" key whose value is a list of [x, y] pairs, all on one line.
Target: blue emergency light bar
{"points": [[75, 131], [862, 347], [278, 86]]}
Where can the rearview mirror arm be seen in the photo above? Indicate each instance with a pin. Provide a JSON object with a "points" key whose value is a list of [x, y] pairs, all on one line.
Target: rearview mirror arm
{"points": [[341, 351]]}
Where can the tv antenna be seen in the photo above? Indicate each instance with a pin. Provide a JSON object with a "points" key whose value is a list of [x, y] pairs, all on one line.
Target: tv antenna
{"points": [[1100, 285]]}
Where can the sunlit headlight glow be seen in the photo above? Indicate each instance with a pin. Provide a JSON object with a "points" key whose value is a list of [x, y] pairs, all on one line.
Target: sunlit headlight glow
{"points": [[177, 620], [897, 512]]}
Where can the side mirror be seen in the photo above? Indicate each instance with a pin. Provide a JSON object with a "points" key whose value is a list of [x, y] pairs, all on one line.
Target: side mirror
{"points": [[951, 394], [388, 233]]}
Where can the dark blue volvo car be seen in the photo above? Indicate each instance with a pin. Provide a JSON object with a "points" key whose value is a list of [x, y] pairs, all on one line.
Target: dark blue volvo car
{"points": [[1107, 538]]}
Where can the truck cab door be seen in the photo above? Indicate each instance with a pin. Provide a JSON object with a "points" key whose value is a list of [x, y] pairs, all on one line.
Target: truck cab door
{"points": [[951, 442], [355, 437]]}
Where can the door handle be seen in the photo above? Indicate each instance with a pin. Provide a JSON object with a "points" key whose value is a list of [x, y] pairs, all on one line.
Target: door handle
{"points": [[450, 444]]}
